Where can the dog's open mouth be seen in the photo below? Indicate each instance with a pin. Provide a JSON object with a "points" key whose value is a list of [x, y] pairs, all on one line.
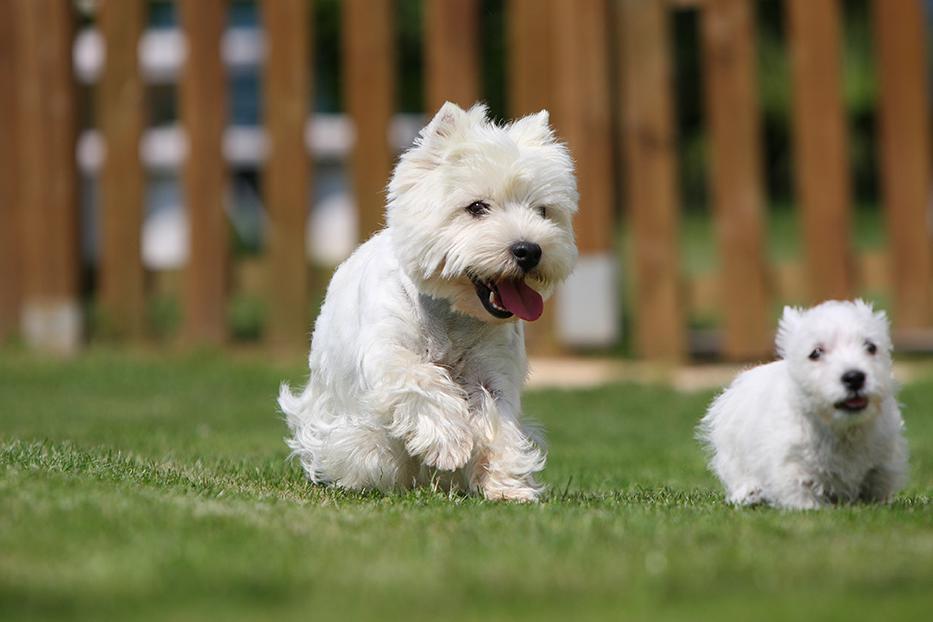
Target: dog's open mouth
{"points": [[853, 403], [508, 297]]}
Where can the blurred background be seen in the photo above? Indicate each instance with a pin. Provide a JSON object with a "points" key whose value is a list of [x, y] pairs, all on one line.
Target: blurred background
{"points": [[189, 173]]}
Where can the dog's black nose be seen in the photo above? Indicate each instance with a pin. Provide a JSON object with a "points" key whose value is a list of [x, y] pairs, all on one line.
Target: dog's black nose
{"points": [[853, 379], [527, 254]]}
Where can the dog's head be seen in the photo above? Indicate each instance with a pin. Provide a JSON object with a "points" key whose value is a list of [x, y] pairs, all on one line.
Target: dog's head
{"points": [[839, 354], [480, 214]]}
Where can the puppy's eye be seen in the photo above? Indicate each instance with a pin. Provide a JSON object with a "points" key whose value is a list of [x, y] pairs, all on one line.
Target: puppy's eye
{"points": [[871, 348], [542, 211], [816, 354], [477, 208]]}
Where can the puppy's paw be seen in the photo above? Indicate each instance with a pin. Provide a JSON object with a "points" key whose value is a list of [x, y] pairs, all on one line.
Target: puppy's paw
{"points": [[446, 445], [447, 457], [520, 494]]}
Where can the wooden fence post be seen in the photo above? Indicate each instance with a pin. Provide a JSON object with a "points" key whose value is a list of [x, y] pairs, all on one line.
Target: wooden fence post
{"points": [[287, 92], [821, 150], [369, 93], [729, 55], [51, 317], [451, 38], [530, 43], [121, 116], [10, 230], [649, 142], [203, 112], [529, 74], [587, 308], [905, 155]]}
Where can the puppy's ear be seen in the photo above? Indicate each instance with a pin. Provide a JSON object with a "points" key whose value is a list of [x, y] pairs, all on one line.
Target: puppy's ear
{"points": [[533, 129], [882, 325], [449, 122], [790, 320]]}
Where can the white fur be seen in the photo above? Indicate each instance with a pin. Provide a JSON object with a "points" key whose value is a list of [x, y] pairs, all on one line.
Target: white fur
{"points": [[412, 381], [776, 435]]}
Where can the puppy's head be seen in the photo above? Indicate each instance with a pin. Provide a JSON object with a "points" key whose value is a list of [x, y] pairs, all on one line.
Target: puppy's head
{"points": [[480, 214], [839, 354]]}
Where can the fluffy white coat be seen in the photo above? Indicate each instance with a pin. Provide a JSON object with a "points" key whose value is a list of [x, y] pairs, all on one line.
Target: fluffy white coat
{"points": [[795, 433], [413, 380]]}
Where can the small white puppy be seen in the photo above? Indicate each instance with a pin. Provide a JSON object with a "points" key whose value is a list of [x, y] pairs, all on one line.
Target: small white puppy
{"points": [[417, 359], [820, 426]]}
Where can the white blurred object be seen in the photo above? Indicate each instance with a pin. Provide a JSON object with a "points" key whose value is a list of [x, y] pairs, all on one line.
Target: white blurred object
{"points": [[245, 145], [331, 232], [166, 238], [588, 303], [162, 53], [164, 148], [52, 325]]}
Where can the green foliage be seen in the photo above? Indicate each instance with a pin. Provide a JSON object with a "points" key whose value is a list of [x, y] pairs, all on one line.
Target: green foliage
{"points": [[158, 488], [246, 317]]}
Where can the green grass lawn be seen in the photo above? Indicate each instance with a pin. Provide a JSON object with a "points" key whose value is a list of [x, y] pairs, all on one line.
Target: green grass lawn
{"points": [[136, 487]]}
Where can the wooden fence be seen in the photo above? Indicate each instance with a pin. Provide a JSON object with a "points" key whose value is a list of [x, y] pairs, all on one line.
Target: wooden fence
{"points": [[603, 68]]}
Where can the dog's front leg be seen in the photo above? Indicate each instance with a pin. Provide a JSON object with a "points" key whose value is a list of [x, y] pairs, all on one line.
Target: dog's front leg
{"points": [[881, 483], [428, 412], [504, 469]]}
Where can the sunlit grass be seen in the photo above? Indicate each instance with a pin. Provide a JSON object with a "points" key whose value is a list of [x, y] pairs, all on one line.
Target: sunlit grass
{"points": [[135, 487]]}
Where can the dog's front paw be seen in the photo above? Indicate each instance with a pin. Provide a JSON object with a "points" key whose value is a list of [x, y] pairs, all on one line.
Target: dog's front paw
{"points": [[446, 446], [521, 494]]}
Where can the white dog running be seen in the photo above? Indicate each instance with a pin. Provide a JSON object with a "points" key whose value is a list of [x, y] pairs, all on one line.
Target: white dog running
{"points": [[417, 361], [820, 426]]}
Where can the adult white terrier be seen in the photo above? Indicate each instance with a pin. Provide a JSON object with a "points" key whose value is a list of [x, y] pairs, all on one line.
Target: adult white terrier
{"points": [[417, 359], [820, 426]]}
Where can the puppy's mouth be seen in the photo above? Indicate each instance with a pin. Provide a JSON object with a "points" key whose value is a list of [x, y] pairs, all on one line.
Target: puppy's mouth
{"points": [[507, 297], [853, 404]]}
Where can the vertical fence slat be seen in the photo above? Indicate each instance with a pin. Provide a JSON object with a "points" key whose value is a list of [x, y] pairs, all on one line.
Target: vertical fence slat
{"points": [[203, 114], [451, 37], [369, 81], [121, 115], [649, 141], [529, 56], [905, 155], [48, 179], [587, 307], [583, 116], [820, 145], [287, 81], [529, 47], [728, 40], [10, 268]]}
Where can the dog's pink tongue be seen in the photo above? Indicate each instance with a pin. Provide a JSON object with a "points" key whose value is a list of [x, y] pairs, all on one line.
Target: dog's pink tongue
{"points": [[520, 299]]}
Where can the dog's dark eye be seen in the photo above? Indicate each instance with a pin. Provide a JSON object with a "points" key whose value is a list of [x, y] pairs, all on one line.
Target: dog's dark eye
{"points": [[816, 354], [477, 208], [542, 211], [871, 348]]}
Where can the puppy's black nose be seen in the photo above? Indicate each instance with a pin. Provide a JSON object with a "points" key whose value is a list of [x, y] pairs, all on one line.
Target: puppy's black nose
{"points": [[527, 254], [853, 379]]}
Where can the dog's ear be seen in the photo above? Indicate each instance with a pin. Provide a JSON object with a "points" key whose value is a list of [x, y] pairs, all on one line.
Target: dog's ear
{"points": [[449, 122], [880, 321], [790, 320], [869, 310], [533, 129]]}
